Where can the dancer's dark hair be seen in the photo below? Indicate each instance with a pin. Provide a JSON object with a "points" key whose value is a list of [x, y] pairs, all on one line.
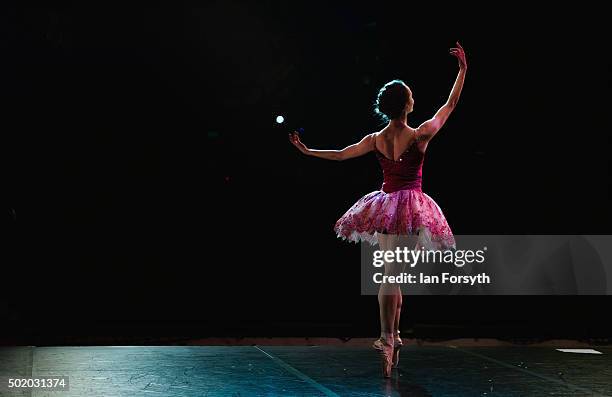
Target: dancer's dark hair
{"points": [[391, 100]]}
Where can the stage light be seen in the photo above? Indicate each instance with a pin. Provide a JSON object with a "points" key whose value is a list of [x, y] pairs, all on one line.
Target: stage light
{"points": [[583, 351], [280, 119]]}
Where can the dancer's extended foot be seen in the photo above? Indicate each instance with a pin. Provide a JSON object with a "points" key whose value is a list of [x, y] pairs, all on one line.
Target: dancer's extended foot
{"points": [[385, 349], [397, 345]]}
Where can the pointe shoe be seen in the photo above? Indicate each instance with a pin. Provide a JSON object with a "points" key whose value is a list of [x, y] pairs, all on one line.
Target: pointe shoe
{"points": [[386, 354], [397, 345]]}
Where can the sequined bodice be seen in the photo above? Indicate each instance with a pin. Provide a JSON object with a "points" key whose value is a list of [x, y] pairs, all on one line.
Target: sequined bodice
{"points": [[405, 173]]}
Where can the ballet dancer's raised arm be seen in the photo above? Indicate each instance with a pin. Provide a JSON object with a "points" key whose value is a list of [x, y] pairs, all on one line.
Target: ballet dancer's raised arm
{"points": [[429, 128], [355, 150]]}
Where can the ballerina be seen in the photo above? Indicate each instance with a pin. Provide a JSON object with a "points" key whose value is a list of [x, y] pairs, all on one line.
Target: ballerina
{"points": [[399, 213]]}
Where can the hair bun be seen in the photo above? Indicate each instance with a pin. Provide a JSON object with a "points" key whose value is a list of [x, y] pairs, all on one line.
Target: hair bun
{"points": [[391, 100]]}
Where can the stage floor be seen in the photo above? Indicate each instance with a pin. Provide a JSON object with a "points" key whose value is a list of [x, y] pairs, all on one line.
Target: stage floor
{"points": [[310, 371]]}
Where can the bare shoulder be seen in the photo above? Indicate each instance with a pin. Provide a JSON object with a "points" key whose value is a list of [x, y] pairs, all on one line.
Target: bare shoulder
{"points": [[409, 134], [374, 136], [410, 130], [424, 131], [421, 138], [385, 133], [377, 133]]}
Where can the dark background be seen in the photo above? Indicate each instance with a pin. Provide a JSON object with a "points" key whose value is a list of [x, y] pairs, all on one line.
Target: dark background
{"points": [[155, 194]]}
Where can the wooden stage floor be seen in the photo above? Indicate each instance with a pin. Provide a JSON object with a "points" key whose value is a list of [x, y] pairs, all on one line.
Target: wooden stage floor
{"points": [[320, 370]]}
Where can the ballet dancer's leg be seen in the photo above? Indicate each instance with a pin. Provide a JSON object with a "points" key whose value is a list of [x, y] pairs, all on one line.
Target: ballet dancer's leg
{"points": [[410, 243], [387, 301], [387, 293], [398, 312]]}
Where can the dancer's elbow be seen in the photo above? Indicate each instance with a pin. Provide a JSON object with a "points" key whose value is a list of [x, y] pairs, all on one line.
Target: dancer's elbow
{"points": [[451, 104]]}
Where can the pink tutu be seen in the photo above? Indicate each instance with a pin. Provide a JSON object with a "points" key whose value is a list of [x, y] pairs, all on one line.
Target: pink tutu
{"points": [[400, 207], [408, 211]]}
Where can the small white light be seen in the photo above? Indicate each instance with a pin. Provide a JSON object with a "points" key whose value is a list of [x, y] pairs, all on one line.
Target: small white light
{"points": [[280, 119]]}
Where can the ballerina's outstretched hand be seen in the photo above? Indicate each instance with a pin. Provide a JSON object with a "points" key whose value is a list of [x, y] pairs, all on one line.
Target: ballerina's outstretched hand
{"points": [[459, 53], [355, 150], [294, 138]]}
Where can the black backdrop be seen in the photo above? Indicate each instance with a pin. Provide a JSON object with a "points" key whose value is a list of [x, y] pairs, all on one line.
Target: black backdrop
{"points": [[154, 190]]}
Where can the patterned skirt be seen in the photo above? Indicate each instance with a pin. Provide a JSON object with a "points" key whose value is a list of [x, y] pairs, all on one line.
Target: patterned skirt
{"points": [[407, 212]]}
